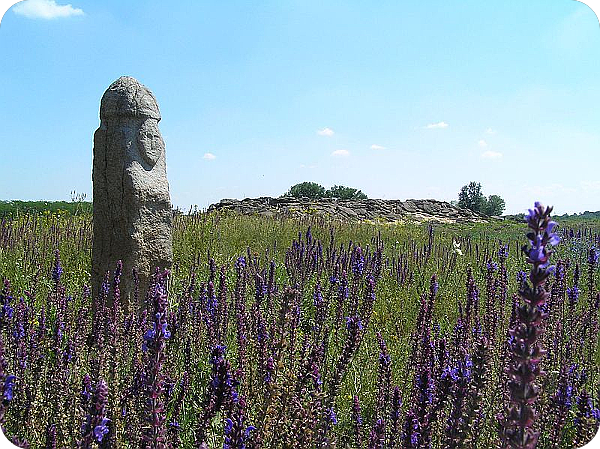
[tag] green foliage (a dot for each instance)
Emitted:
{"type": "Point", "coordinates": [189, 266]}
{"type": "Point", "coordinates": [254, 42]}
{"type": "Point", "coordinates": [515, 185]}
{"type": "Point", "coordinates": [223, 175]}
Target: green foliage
{"type": "Point", "coordinates": [587, 215]}
{"type": "Point", "coordinates": [494, 206]}
{"type": "Point", "coordinates": [310, 190]}
{"type": "Point", "coordinates": [313, 191]}
{"type": "Point", "coordinates": [345, 193]}
{"type": "Point", "coordinates": [471, 197]}
{"type": "Point", "coordinates": [16, 207]}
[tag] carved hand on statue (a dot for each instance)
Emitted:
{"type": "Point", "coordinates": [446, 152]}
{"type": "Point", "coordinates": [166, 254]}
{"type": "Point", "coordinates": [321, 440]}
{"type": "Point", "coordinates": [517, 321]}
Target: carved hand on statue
{"type": "Point", "coordinates": [150, 142]}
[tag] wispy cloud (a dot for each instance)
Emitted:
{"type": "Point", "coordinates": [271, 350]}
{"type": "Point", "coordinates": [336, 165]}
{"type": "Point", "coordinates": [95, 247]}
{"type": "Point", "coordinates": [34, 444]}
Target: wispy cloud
{"type": "Point", "coordinates": [209, 156]}
{"type": "Point", "coordinates": [482, 143]}
{"type": "Point", "coordinates": [490, 131]}
{"type": "Point", "coordinates": [489, 154]}
{"type": "Point", "coordinates": [439, 125]}
{"type": "Point", "coordinates": [45, 9]}
{"type": "Point", "coordinates": [326, 132]}
{"type": "Point", "coordinates": [341, 153]}
{"type": "Point", "coordinates": [377, 147]}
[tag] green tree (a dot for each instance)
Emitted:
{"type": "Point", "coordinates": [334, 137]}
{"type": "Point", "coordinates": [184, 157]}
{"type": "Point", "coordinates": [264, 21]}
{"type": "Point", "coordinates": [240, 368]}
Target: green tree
{"type": "Point", "coordinates": [306, 189]}
{"type": "Point", "coordinates": [471, 197]}
{"type": "Point", "coordinates": [345, 193]}
{"type": "Point", "coordinates": [494, 206]}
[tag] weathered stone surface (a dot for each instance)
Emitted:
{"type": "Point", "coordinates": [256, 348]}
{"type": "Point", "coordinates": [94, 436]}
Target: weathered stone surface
{"type": "Point", "coordinates": [370, 209]}
{"type": "Point", "coordinates": [132, 208]}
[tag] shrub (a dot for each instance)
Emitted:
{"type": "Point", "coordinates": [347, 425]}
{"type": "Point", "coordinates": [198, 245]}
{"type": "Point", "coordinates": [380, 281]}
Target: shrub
{"type": "Point", "coordinates": [313, 190]}
{"type": "Point", "coordinates": [345, 193]}
{"type": "Point", "coordinates": [306, 189]}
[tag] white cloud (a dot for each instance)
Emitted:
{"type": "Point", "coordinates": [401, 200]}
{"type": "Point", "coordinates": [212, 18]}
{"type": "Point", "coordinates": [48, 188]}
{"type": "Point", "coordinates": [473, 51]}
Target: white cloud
{"type": "Point", "coordinates": [437, 125]}
{"type": "Point", "coordinates": [45, 9]}
{"type": "Point", "coordinates": [326, 132]}
{"type": "Point", "coordinates": [377, 147]}
{"type": "Point", "coordinates": [209, 156]}
{"type": "Point", "coordinates": [482, 143]}
{"type": "Point", "coordinates": [340, 153]}
{"type": "Point", "coordinates": [490, 131]}
{"type": "Point", "coordinates": [489, 154]}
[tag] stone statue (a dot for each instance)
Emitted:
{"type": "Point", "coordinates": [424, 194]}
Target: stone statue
{"type": "Point", "coordinates": [132, 207]}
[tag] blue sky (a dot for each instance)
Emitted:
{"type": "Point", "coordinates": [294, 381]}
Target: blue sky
{"type": "Point", "coordinates": [400, 99]}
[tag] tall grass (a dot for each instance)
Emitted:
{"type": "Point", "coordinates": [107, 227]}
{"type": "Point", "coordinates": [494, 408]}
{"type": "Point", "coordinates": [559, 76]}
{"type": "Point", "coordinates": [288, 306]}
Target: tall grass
{"type": "Point", "coordinates": [272, 332]}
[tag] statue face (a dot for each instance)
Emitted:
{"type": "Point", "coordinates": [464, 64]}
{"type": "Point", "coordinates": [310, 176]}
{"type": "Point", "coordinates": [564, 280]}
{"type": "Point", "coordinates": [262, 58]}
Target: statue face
{"type": "Point", "coordinates": [150, 142]}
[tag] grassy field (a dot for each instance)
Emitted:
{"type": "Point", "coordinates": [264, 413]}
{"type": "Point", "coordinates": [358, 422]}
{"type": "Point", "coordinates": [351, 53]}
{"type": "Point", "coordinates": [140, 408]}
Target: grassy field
{"type": "Point", "coordinates": [295, 333]}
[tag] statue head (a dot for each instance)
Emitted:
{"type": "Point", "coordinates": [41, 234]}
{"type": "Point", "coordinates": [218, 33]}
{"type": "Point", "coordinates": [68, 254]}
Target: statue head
{"type": "Point", "coordinates": [128, 101]}
{"type": "Point", "coordinates": [128, 98]}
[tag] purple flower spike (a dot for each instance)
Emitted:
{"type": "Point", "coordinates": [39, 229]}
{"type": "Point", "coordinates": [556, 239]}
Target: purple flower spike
{"type": "Point", "coordinates": [155, 385]}
{"type": "Point", "coordinates": [95, 427]}
{"type": "Point", "coordinates": [57, 271]}
{"type": "Point", "coordinates": [9, 384]}
{"type": "Point", "coordinates": [101, 430]}
{"type": "Point", "coordinates": [526, 352]}
{"type": "Point", "coordinates": [593, 256]}
{"type": "Point", "coordinates": [331, 416]}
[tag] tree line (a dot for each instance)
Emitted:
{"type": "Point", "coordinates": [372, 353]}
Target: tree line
{"type": "Point", "coordinates": [16, 207]}
{"type": "Point", "coordinates": [315, 191]}
{"type": "Point", "coordinates": [470, 196]}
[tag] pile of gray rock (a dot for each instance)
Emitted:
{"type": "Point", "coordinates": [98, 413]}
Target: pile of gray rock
{"type": "Point", "coordinates": [359, 210]}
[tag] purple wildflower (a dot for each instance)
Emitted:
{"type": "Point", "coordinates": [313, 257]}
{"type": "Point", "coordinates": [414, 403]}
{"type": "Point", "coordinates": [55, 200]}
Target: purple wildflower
{"type": "Point", "coordinates": [237, 435]}
{"type": "Point", "coordinates": [57, 270]}
{"type": "Point", "coordinates": [95, 426]}
{"type": "Point", "coordinates": [377, 436]}
{"type": "Point", "coordinates": [6, 312]}
{"type": "Point", "coordinates": [357, 421]}
{"type": "Point", "coordinates": [593, 255]}
{"type": "Point", "coordinates": [240, 263]}
{"type": "Point", "coordinates": [526, 352]}
{"type": "Point", "coordinates": [353, 322]}
{"type": "Point", "coordinates": [331, 416]}
{"type": "Point", "coordinates": [154, 433]}
{"type": "Point", "coordinates": [358, 262]}
{"type": "Point", "coordinates": [573, 295]}
{"type": "Point", "coordinates": [9, 384]}
{"type": "Point", "coordinates": [101, 430]}
{"type": "Point", "coordinates": [492, 266]}
{"type": "Point", "coordinates": [384, 377]}
{"type": "Point", "coordinates": [503, 252]}
{"type": "Point", "coordinates": [269, 370]}
{"type": "Point", "coordinates": [87, 390]}
{"type": "Point", "coordinates": [395, 418]}
{"type": "Point", "coordinates": [221, 392]}
{"type": "Point", "coordinates": [353, 339]}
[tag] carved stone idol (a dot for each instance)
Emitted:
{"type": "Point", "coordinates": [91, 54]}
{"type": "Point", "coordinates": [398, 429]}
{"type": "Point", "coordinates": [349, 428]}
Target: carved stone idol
{"type": "Point", "coordinates": [132, 207]}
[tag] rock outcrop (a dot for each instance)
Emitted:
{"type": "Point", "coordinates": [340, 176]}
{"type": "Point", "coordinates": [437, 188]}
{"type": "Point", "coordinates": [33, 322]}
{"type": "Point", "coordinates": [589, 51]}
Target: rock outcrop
{"type": "Point", "coordinates": [369, 209]}
{"type": "Point", "coordinates": [132, 208]}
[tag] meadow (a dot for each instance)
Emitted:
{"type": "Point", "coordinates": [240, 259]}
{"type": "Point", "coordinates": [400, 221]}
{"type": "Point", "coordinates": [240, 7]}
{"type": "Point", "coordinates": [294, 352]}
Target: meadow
{"type": "Point", "coordinates": [277, 332]}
